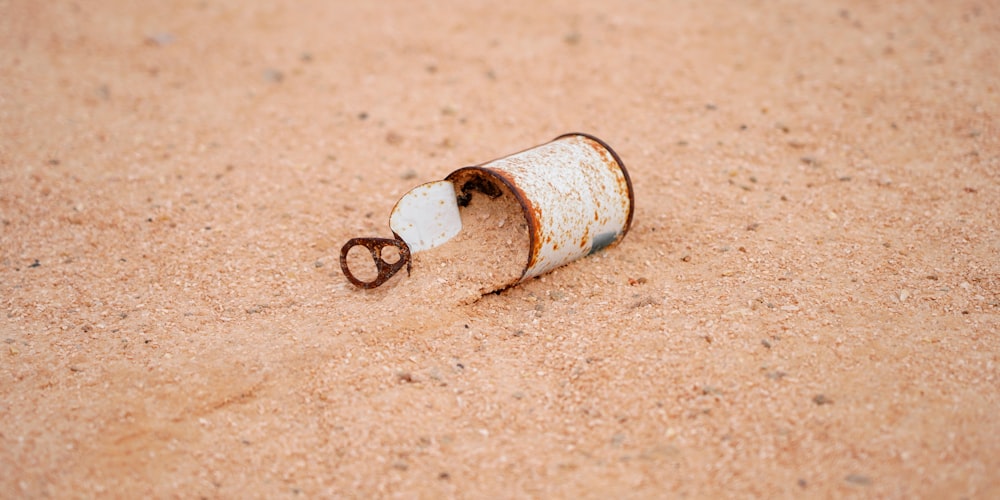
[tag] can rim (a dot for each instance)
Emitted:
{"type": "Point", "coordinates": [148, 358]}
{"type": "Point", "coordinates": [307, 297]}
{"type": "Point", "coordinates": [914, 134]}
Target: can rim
{"type": "Point", "coordinates": [527, 209]}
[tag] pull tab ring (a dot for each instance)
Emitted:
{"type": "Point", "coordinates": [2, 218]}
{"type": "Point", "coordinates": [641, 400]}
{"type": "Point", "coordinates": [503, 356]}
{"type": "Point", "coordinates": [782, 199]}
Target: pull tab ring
{"type": "Point", "coordinates": [386, 269]}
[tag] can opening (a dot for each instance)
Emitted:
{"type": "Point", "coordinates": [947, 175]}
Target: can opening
{"type": "Point", "coordinates": [490, 251]}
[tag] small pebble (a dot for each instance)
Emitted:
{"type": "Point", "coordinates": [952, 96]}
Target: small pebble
{"type": "Point", "coordinates": [858, 479]}
{"type": "Point", "coordinates": [160, 39]}
{"type": "Point", "coordinates": [645, 301]}
{"type": "Point", "coordinates": [271, 75]}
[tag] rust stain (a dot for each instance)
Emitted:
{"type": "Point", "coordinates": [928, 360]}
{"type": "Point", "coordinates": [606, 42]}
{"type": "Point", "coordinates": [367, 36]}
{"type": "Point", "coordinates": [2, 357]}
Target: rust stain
{"type": "Point", "coordinates": [625, 186]}
{"type": "Point", "coordinates": [534, 216]}
{"type": "Point", "coordinates": [386, 269]}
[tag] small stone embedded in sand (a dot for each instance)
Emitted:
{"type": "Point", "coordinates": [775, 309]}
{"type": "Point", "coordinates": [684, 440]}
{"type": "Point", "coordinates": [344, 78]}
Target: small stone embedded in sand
{"type": "Point", "coordinates": [821, 399]}
{"type": "Point", "coordinates": [858, 479]}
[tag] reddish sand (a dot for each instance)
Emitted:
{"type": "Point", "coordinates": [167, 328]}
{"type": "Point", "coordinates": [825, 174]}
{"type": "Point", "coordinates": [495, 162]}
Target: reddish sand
{"type": "Point", "coordinates": [808, 303]}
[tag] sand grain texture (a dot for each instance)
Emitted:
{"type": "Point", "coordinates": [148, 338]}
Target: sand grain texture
{"type": "Point", "coordinates": [808, 302]}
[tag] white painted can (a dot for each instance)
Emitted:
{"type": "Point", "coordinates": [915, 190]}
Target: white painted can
{"type": "Point", "coordinates": [574, 192]}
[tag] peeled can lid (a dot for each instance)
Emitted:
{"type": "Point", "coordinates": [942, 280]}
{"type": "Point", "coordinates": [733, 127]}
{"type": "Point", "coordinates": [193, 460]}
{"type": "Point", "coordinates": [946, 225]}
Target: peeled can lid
{"type": "Point", "coordinates": [426, 216]}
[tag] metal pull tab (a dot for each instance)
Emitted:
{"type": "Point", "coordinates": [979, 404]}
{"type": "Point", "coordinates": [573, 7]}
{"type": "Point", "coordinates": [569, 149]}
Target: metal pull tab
{"type": "Point", "coordinates": [385, 268]}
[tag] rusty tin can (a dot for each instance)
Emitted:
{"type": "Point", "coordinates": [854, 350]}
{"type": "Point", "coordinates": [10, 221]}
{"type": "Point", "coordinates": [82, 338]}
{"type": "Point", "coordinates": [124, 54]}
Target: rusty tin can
{"type": "Point", "coordinates": [574, 193]}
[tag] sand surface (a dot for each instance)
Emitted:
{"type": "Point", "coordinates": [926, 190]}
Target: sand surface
{"type": "Point", "coordinates": [808, 302]}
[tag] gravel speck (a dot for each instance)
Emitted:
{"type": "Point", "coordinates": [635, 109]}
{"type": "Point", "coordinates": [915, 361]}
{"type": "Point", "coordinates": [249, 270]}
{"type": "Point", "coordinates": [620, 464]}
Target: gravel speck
{"type": "Point", "coordinates": [821, 399]}
{"type": "Point", "coordinates": [271, 75]}
{"type": "Point", "coordinates": [858, 479]}
{"type": "Point", "coordinates": [160, 39]}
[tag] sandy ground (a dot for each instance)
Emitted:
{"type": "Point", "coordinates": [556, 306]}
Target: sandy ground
{"type": "Point", "coordinates": [808, 303]}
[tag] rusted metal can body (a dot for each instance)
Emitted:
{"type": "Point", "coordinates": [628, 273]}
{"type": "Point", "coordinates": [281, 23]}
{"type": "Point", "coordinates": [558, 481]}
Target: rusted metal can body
{"type": "Point", "coordinates": [575, 193]}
